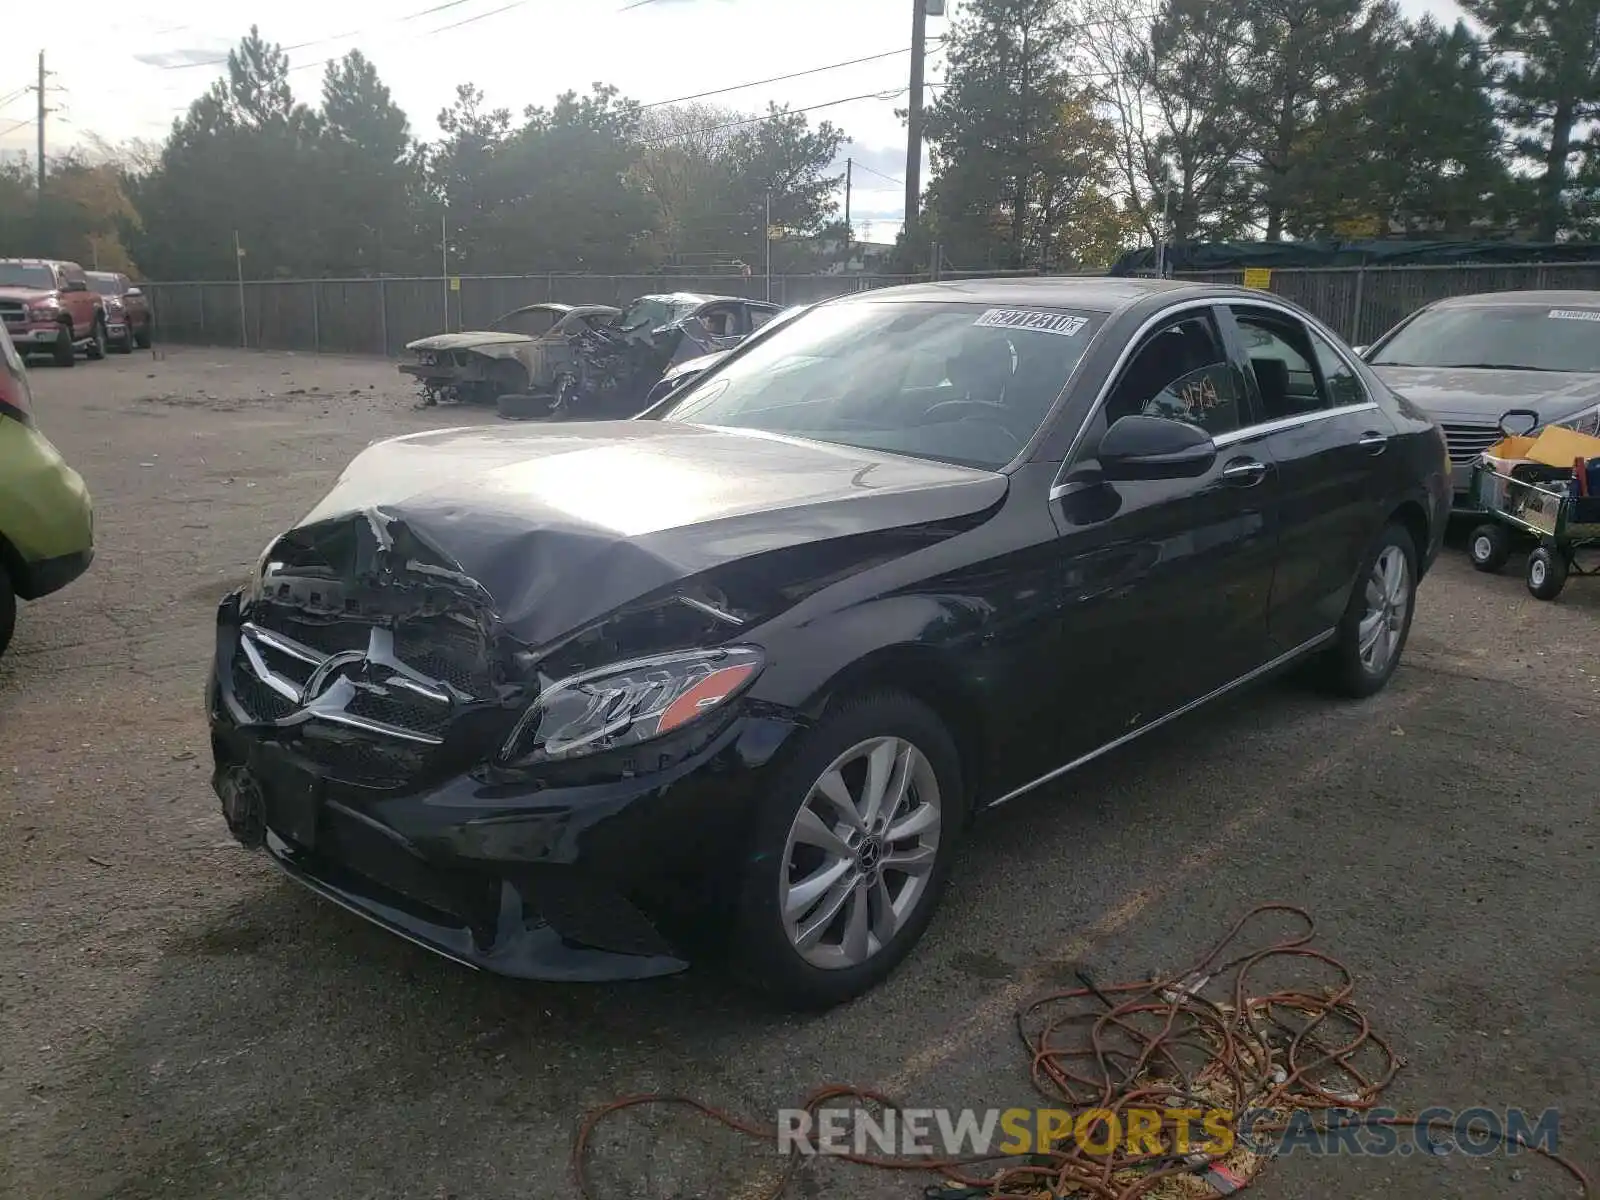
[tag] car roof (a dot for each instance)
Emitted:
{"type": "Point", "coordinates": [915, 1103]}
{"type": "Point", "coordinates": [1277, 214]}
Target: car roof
{"type": "Point", "coordinates": [696, 298]}
{"type": "Point", "coordinates": [1101, 292]}
{"type": "Point", "coordinates": [1519, 299]}
{"type": "Point", "coordinates": [38, 262]}
{"type": "Point", "coordinates": [104, 274]}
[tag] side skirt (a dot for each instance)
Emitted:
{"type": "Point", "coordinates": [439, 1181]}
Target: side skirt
{"type": "Point", "coordinates": [1265, 669]}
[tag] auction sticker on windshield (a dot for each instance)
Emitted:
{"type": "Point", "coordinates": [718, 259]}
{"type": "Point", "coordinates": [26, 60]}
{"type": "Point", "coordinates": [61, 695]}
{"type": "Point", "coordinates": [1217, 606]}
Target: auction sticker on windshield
{"type": "Point", "coordinates": [1574, 314]}
{"type": "Point", "coordinates": [1038, 322]}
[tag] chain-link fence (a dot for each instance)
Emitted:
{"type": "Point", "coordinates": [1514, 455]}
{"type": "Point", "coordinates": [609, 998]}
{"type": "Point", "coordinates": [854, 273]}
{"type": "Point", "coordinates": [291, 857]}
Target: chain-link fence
{"type": "Point", "coordinates": [379, 316]}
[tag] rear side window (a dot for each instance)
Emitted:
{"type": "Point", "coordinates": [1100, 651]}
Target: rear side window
{"type": "Point", "coordinates": [1344, 386]}
{"type": "Point", "coordinates": [1280, 356]}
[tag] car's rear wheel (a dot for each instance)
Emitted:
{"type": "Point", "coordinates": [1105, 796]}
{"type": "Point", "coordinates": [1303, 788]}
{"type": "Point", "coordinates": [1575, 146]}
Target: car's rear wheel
{"type": "Point", "coordinates": [65, 354]}
{"type": "Point", "coordinates": [8, 609]}
{"type": "Point", "coordinates": [1372, 635]}
{"type": "Point", "coordinates": [851, 852]}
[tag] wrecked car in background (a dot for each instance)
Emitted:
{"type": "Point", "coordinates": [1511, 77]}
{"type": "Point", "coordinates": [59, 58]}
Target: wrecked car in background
{"type": "Point", "coordinates": [509, 356]}
{"type": "Point", "coordinates": [687, 370]}
{"type": "Point", "coordinates": [550, 359]}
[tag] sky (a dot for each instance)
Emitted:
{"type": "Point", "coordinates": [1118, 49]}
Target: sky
{"type": "Point", "coordinates": [127, 70]}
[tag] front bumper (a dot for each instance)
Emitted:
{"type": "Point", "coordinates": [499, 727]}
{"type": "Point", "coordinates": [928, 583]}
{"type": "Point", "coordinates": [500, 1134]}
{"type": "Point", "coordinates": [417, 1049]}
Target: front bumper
{"type": "Point", "coordinates": [34, 336]}
{"type": "Point", "coordinates": [575, 878]}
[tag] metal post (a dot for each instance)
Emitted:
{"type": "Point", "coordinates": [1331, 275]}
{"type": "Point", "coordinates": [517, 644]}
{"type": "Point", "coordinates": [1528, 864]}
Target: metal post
{"type": "Point", "coordinates": [316, 329]}
{"type": "Point", "coordinates": [201, 289]}
{"type": "Point", "coordinates": [238, 258]}
{"type": "Point", "coordinates": [1161, 239]}
{"type": "Point", "coordinates": [1356, 338]}
{"type": "Point", "coordinates": [444, 267]}
{"type": "Point", "coordinates": [769, 246]}
{"type": "Point", "coordinates": [383, 312]}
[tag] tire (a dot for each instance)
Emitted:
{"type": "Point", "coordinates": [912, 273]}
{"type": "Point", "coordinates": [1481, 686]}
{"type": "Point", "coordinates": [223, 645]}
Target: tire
{"type": "Point", "coordinates": [65, 354]}
{"type": "Point", "coordinates": [144, 338]}
{"type": "Point", "coordinates": [124, 344]}
{"type": "Point", "coordinates": [829, 970]}
{"type": "Point", "coordinates": [522, 406]}
{"type": "Point", "coordinates": [1348, 669]}
{"type": "Point", "coordinates": [8, 609]}
{"type": "Point", "coordinates": [1490, 547]}
{"type": "Point", "coordinates": [1547, 573]}
{"type": "Point", "coordinates": [97, 340]}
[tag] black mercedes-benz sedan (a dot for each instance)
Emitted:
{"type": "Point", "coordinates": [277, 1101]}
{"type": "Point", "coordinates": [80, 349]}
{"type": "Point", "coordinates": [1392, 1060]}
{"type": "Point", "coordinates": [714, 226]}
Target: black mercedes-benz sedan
{"type": "Point", "coordinates": [563, 701]}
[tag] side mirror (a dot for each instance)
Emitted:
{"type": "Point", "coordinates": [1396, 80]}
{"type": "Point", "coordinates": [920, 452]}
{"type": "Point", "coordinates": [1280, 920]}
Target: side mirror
{"type": "Point", "coordinates": [1141, 447]}
{"type": "Point", "coordinates": [1359, 351]}
{"type": "Point", "coordinates": [133, 291]}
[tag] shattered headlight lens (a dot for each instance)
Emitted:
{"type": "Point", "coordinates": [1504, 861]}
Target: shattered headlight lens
{"type": "Point", "coordinates": [629, 702]}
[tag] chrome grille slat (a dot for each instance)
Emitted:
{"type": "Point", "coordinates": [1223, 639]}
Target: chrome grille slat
{"type": "Point", "coordinates": [1465, 442]}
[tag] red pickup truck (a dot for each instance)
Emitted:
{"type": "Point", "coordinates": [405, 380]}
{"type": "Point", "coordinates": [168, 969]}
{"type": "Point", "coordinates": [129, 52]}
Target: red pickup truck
{"type": "Point", "coordinates": [49, 307]}
{"type": "Point", "coordinates": [127, 311]}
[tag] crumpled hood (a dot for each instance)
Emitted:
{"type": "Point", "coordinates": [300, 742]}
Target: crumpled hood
{"type": "Point", "coordinates": [470, 340]}
{"type": "Point", "coordinates": [25, 294]}
{"type": "Point", "coordinates": [1478, 394]}
{"type": "Point", "coordinates": [562, 523]}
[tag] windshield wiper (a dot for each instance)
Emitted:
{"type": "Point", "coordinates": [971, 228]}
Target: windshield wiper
{"type": "Point", "coordinates": [1495, 367]}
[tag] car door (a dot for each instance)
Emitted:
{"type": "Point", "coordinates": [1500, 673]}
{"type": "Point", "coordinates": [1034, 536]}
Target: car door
{"type": "Point", "coordinates": [1165, 582]}
{"type": "Point", "coordinates": [1329, 440]}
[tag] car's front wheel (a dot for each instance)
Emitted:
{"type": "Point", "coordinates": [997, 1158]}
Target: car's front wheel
{"type": "Point", "coordinates": [1377, 621]}
{"type": "Point", "coordinates": [97, 340]}
{"type": "Point", "coordinates": [851, 852]}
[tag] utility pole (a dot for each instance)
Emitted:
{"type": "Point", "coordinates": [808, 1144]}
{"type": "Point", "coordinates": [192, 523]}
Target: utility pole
{"type": "Point", "coordinates": [919, 55]}
{"type": "Point", "coordinates": [769, 246]}
{"type": "Point", "coordinates": [849, 233]}
{"type": "Point", "coordinates": [42, 111]}
{"type": "Point", "coordinates": [444, 265]}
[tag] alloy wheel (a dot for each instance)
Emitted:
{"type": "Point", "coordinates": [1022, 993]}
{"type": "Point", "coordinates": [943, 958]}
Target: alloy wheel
{"type": "Point", "coordinates": [861, 853]}
{"type": "Point", "coordinates": [1388, 600]}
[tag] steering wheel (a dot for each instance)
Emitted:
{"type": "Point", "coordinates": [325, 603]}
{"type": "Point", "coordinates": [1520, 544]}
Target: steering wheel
{"type": "Point", "coordinates": [972, 410]}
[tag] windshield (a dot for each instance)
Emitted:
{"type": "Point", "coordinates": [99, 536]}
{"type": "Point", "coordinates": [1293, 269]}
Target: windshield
{"type": "Point", "coordinates": [959, 383]}
{"type": "Point", "coordinates": [19, 275]}
{"type": "Point", "coordinates": [106, 285]}
{"type": "Point", "coordinates": [1521, 337]}
{"type": "Point", "coordinates": [652, 312]}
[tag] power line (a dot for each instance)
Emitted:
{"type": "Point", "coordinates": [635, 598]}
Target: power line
{"type": "Point", "coordinates": [739, 87]}
{"type": "Point", "coordinates": [15, 125]}
{"type": "Point", "coordinates": [777, 116]}
{"type": "Point", "coordinates": [493, 12]}
{"type": "Point", "coordinates": [425, 12]}
{"type": "Point", "coordinates": [880, 174]}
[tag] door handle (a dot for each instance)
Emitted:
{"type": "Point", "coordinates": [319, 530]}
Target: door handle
{"type": "Point", "coordinates": [1373, 442]}
{"type": "Point", "coordinates": [1244, 472]}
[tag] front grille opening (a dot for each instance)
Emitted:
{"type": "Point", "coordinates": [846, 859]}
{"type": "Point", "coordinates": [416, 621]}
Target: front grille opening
{"type": "Point", "coordinates": [261, 702]}
{"type": "Point", "coordinates": [400, 709]}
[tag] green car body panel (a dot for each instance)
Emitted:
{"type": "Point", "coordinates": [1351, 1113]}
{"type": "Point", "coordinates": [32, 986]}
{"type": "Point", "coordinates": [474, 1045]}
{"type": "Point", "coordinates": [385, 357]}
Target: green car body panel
{"type": "Point", "coordinates": [46, 514]}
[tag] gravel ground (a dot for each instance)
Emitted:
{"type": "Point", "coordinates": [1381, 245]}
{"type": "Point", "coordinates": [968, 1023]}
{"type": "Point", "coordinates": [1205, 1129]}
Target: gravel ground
{"type": "Point", "coordinates": [178, 1020]}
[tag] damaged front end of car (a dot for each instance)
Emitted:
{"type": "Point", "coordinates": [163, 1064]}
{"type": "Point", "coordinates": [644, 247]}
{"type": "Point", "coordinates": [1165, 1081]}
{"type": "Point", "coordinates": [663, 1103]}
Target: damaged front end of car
{"type": "Point", "coordinates": [394, 744]}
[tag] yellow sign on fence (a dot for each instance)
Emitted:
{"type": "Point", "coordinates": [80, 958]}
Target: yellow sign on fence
{"type": "Point", "coordinates": [1258, 277]}
{"type": "Point", "coordinates": [455, 283]}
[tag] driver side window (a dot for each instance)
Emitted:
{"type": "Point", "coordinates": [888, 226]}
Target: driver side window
{"type": "Point", "coordinates": [1181, 372]}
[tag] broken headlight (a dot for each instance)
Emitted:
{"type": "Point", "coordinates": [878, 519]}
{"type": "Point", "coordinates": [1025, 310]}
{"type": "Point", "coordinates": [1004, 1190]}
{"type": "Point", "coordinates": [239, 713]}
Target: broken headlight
{"type": "Point", "coordinates": [629, 702]}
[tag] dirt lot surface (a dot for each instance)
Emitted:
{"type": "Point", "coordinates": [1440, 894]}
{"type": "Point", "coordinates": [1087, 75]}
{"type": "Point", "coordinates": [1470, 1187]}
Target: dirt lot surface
{"type": "Point", "coordinates": [177, 1019]}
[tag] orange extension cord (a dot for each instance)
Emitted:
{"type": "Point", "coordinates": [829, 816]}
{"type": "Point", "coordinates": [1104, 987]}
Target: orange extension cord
{"type": "Point", "coordinates": [1264, 1051]}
